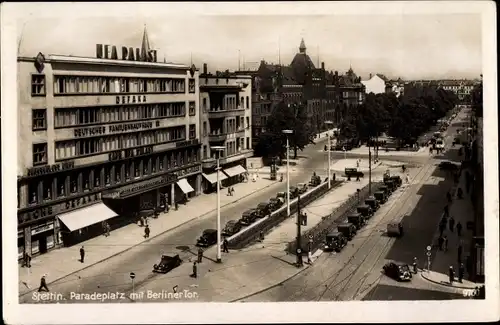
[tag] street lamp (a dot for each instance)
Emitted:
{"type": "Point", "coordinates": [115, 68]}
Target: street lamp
{"type": "Point", "coordinates": [218, 149]}
{"type": "Point", "coordinates": [286, 133]}
{"type": "Point", "coordinates": [328, 124]}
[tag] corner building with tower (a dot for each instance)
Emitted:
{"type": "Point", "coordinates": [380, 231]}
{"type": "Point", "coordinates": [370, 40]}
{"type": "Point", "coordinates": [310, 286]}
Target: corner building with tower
{"type": "Point", "coordinates": [106, 138]}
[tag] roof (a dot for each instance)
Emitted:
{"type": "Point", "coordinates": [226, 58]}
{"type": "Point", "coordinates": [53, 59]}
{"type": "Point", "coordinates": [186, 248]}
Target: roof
{"type": "Point", "coordinates": [301, 64]}
{"type": "Point", "coordinates": [381, 76]}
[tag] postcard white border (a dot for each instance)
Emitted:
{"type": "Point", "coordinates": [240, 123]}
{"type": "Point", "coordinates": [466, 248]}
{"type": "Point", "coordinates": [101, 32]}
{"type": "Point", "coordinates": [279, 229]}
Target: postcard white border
{"type": "Point", "coordinates": [436, 311]}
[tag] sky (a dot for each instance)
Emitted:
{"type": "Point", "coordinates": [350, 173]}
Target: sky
{"type": "Point", "coordinates": [409, 45]}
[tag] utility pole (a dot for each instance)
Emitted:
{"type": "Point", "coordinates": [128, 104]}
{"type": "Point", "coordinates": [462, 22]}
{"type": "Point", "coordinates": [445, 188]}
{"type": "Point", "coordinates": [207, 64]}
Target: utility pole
{"type": "Point", "coordinates": [299, 244]}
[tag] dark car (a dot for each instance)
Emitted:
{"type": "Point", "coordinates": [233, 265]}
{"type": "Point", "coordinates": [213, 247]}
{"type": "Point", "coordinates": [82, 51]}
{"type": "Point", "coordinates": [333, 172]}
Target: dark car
{"type": "Point", "coordinates": [335, 241]}
{"type": "Point", "coordinates": [372, 202]}
{"type": "Point", "coordinates": [380, 196]}
{"type": "Point", "coordinates": [294, 192]}
{"type": "Point", "coordinates": [356, 219]}
{"type": "Point", "coordinates": [167, 263]}
{"type": "Point", "coordinates": [248, 217]}
{"type": "Point", "coordinates": [315, 181]}
{"type": "Point", "coordinates": [448, 165]}
{"type": "Point", "coordinates": [263, 209]}
{"type": "Point", "coordinates": [232, 227]}
{"type": "Point", "coordinates": [365, 210]}
{"type": "Point", "coordinates": [207, 238]}
{"type": "Point", "coordinates": [386, 190]}
{"type": "Point", "coordinates": [353, 172]}
{"type": "Point", "coordinates": [395, 229]}
{"type": "Point", "coordinates": [397, 179]}
{"type": "Point", "coordinates": [399, 272]}
{"type": "Point", "coordinates": [391, 185]}
{"type": "Point", "coordinates": [276, 203]}
{"type": "Point", "coordinates": [347, 229]}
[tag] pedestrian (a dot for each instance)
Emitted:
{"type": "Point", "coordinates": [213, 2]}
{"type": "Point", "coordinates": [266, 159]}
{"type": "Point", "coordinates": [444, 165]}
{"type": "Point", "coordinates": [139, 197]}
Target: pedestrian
{"type": "Point", "coordinates": [357, 163]}
{"type": "Point", "coordinates": [451, 223]}
{"type": "Point", "coordinates": [232, 190]}
{"type": "Point", "coordinates": [82, 254]}
{"type": "Point", "coordinates": [225, 245]}
{"type": "Point", "coordinates": [407, 179]}
{"type": "Point", "coordinates": [445, 243]}
{"type": "Point", "coordinates": [195, 270]}
{"type": "Point", "coordinates": [309, 258]}
{"type": "Point", "coordinates": [460, 249]}
{"type": "Point", "coordinates": [43, 284]}
{"type": "Point", "coordinates": [200, 255]}
{"type": "Point", "coordinates": [451, 274]}
{"type": "Point", "coordinates": [167, 207]}
{"type": "Point", "coordinates": [108, 228]}
{"type": "Point", "coordinates": [229, 191]}
{"type": "Point", "coordinates": [261, 236]}
{"type": "Point", "coordinates": [440, 242]}
{"type": "Point", "coordinates": [415, 269]}
{"type": "Point", "coordinates": [459, 229]}
{"type": "Point", "coordinates": [146, 231]}
{"type": "Point", "coordinates": [461, 272]}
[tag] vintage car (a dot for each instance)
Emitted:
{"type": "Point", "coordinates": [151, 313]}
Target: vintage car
{"type": "Point", "coordinates": [294, 192]}
{"type": "Point", "coordinates": [391, 185]}
{"type": "Point", "coordinates": [386, 190]}
{"type": "Point", "coordinates": [372, 202]}
{"type": "Point", "coordinates": [335, 241]}
{"type": "Point", "coordinates": [347, 229]}
{"type": "Point", "coordinates": [380, 196]}
{"type": "Point", "coordinates": [248, 217]}
{"type": "Point", "coordinates": [365, 210]}
{"type": "Point", "coordinates": [448, 165]}
{"type": "Point", "coordinates": [167, 263]}
{"type": "Point", "coordinates": [356, 219]}
{"type": "Point", "coordinates": [281, 195]}
{"type": "Point", "coordinates": [397, 179]}
{"type": "Point", "coordinates": [263, 209]}
{"type": "Point", "coordinates": [399, 272]}
{"type": "Point", "coordinates": [207, 238]}
{"type": "Point", "coordinates": [395, 229]}
{"type": "Point", "coordinates": [353, 172]}
{"type": "Point", "coordinates": [302, 188]}
{"type": "Point", "coordinates": [276, 203]}
{"type": "Point", "coordinates": [232, 227]}
{"type": "Point", "coordinates": [315, 181]}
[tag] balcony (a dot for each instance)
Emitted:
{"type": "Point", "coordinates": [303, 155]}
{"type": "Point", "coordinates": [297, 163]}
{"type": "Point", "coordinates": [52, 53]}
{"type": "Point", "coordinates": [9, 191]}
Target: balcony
{"type": "Point", "coordinates": [214, 113]}
{"type": "Point", "coordinates": [217, 137]}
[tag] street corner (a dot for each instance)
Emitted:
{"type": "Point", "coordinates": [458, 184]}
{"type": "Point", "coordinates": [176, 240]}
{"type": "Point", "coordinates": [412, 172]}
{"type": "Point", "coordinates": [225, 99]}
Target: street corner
{"type": "Point", "coordinates": [443, 279]}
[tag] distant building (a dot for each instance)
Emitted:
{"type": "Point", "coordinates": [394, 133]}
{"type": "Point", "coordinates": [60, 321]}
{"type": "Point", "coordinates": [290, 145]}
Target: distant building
{"type": "Point", "coordinates": [377, 84]}
{"type": "Point", "coordinates": [462, 88]}
{"type": "Point", "coordinates": [225, 119]}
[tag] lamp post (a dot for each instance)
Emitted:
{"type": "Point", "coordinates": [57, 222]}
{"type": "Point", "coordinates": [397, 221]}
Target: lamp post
{"type": "Point", "coordinates": [329, 123]}
{"type": "Point", "coordinates": [218, 149]}
{"type": "Point", "coordinates": [286, 133]}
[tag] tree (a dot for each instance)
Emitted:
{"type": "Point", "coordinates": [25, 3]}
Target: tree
{"type": "Point", "coordinates": [302, 131]}
{"type": "Point", "coordinates": [477, 99]}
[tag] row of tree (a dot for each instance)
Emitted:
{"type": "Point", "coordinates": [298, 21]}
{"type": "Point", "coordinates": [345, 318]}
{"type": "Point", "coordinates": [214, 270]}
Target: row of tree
{"type": "Point", "coordinates": [404, 118]}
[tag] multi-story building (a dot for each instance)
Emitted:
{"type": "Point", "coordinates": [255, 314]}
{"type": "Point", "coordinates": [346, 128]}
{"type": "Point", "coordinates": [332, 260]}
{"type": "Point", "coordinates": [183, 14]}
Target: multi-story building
{"type": "Point", "coordinates": [225, 119]}
{"type": "Point", "coordinates": [462, 88]}
{"type": "Point", "coordinates": [102, 138]}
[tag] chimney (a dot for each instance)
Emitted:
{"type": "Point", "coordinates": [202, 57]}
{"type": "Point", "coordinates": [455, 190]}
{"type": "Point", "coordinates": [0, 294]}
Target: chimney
{"type": "Point", "coordinates": [204, 68]}
{"type": "Point", "coordinates": [370, 75]}
{"type": "Point", "coordinates": [323, 65]}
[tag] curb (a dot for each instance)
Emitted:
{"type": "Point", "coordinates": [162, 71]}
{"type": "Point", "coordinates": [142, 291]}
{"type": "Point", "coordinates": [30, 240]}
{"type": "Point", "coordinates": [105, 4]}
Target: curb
{"type": "Point", "coordinates": [272, 286]}
{"type": "Point", "coordinates": [443, 283]}
{"type": "Point", "coordinates": [147, 240]}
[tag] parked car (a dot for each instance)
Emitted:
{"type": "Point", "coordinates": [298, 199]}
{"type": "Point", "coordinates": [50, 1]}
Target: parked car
{"type": "Point", "coordinates": [399, 272]}
{"type": "Point", "coordinates": [365, 210]}
{"type": "Point", "coordinates": [207, 238]}
{"type": "Point", "coordinates": [281, 195]}
{"type": "Point", "coordinates": [263, 209]}
{"type": "Point", "coordinates": [276, 203]}
{"type": "Point", "coordinates": [167, 263]}
{"type": "Point", "coordinates": [386, 190]}
{"type": "Point", "coordinates": [380, 196]}
{"type": "Point", "coordinates": [232, 227]}
{"type": "Point", "coordinates": [293, 192]}
{"type": "Point", "coordinates": [302, 188]}
{"type": "Point", "coordinates": [353, 172]}
{"type": "Point", "coordinates": [248, 217]}
{"type": "Point", "coordinates": [335, 241]}
{"type": "Point", "coordinates": [372, 202]}
{"type": "Point", "coordinates": [356, 219]}
{"type": "Point", "coordinates": [395, 229]}
{"type": "Point", "coordinates": [448, 165]}
{"type": "Point", "coordinates": [315, 181]}
{"type": "Point", "coordinates": [347, 229]}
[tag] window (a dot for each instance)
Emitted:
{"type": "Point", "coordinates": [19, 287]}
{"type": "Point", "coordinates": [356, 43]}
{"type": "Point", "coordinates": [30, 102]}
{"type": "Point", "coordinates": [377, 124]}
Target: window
{"type": "Point", "coordinates": [39, 119]}
{"type": "Point", "coordinates": [145, 167]}
{"type": "Point", "coordinates": [37, 85]}
{"type": "Point", "coordinates": [86, 180]}
{"type": "Point", "coordinates": [192, 85]}
{"type": "Point", "coordinates": [88, 146]}
{"type": "Point", "coordinates": [73, 182]}
{"type": "Point", "coordinates": [192, 108]}
{"type": "Point", "coordinates": [118, 173]}
{"type": "Point", "coordinates": [248, 122]}
{"type": "Point", "coordinates": [248, 143]}
{"type": "Point", "coordinates": [248, 102]}
{"type": "Point", "coordinates": [242, 102]}
{"type": "Point", "coordinates": [33, 192]}
{"type": "Point", "coordinates": [204, 105]}
{"type": "Point", "coordinates": [61, 186]}
{"type": "Point", "coordinates": [65, 149]}
{"type": "Point", "coordinates": [192, 131]}
{"type": "Point", "coordinates": [97, 178]}
{"type": "Point", "coordinates": [204, 129]}
{"type": "Point", "coordinates": [39, 154]}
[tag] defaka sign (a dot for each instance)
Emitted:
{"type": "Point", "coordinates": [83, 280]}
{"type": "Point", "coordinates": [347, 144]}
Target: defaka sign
{"type": "Point", "coordinates": [127, 53]}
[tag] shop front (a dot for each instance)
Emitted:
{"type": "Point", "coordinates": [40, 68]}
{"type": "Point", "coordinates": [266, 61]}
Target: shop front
{"type": "Point", "coordinates": [42, 238]}
{"type": "Point", "coordinates": [236, 174]}
{"type": "Point", "coordinates": [210, 181]}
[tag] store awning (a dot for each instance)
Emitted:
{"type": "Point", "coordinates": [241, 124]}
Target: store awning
{"type": "Point", "coordinates": [184, 185]}
{"type": "Point", "coordinates": [212, 178]}
{"type": "Point", "coordinates": [234, 171]}
{"type": "Point", "coordinates": [87, 216]}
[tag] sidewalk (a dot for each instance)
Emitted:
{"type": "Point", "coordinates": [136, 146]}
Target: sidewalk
{"type": "Point", "coordinates": [381, 152]}
{"type": "Point", "coordinates": [461, 211]}
{"type": "Point", "coordinates": [364, 165]}
{"type": "Point", "coordinates": [123, 239]}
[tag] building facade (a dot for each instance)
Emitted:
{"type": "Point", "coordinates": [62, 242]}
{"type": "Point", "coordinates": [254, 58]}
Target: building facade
{"type": "Point", "coordinates": [102, 139]}
{"type": "Point", "coordinates": [225, 120]}
{"type": "Point", "coordinates": [462, 88]}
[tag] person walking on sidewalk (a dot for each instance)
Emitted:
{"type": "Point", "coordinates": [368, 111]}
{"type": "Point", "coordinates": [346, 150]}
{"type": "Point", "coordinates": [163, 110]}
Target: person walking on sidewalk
{"type": "Point", "coordinates": [146, 231]}
{"type": "Point", "coordinates": [440, 242]}
{"type": "Point", "coordinates": [461, 272]}
{"type": "Point", "coordinates": [225, 246]}
{"type": "Point", "coordinates": [451, 223]}
{"type": "Point", "coordinates": [232, 190]}
{"type": "Point", "coordinates": [451, 275]}
{"type": "Point", "coordinates": [195, 270]}
{"type": "Point", "coordinates": [82, 254]}
{"type": "Point", "coordinates": [43, 284]}
{"type": "Point", "coordinates": [445, 243]}
{"type": "Point", "coordinates": [415, 267]}
{"type": "Point", "coordinates": [309, 258]}
{"type": "Point", "coordinates": [459, 229]}
{"type": "Point", "coordinates": [229, 191]}
{"type": "Point", "coordinates": [200, 255]}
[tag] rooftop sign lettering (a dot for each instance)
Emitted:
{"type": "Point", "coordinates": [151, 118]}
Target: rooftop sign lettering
{"type": "Point", "coordinates": [127, 53]}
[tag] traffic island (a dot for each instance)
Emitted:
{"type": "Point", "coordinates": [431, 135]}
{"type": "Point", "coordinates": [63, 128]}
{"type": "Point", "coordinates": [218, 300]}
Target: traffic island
{"type": "Point", "coordinates": [444, 280]}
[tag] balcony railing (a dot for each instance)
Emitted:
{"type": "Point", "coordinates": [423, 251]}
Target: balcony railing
{"type": "Point", "coordinates": [218, 113]}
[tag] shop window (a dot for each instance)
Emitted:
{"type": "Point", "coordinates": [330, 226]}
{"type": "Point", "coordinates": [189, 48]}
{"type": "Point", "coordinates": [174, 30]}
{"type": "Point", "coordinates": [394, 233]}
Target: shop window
{"type": "Point", "coordinates": [118, 173]}
{"type": "Point", "coordinates": [37, 85]}
{"type": "Point", "coordinates": [160, 164]}
{"type": "Point", "coordinates": [180, 159]}
{"type": "Point", "coordinates": [128, 166]}
{"type": "Point", "coordinates": [73, 183]}
{"type": "Point", "coordinates": [39, 154]}
{"type": "Point", "coordinates": [173, 160]}
{"type": "Point", "coordinates": [153, 165]}
{"type": "Point", "coordinates": [107, 176]}
{"type": "Point", "coordinates": [61, 186]}
{"type": "Point", "coordinates": [33, 191]}
{"type": "Point", "coordinates": [47, 189]}
{"type": "Point", "coordinates": [189, 156]}
{"type": "Point", "coordinates": [97, 178]}
{"type": "Point", "coordinates": [137, 170]}
{"type": "Point", "coordinates": [39, 119]}
{"type": "Point", "coordinates": [145, 167]}
{"type": "Point", "coordinates": [192, 108]}
{"type": "Point", "coordinates": [86, 180]}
